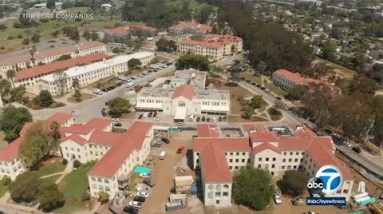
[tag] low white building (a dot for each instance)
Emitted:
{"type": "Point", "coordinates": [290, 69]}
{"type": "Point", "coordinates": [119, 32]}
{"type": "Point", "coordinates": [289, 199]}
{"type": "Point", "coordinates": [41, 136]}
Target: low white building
{"type": "Point", "coordinates": [185, 95]}
{"type": "Point", "coordinates": [61, 83]}
{"type": "Point", "coordinates": [219, 156]}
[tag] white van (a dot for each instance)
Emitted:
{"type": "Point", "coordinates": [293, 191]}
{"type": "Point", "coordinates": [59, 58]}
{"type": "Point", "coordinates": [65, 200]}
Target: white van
{"type": "Point", "coordinates": [162, 155]}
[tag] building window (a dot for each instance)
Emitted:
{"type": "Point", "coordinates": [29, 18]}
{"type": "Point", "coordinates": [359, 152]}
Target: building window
{"type": "Point", "coordinates": [225, 193]}
{"type": "Point", "coordinates": [272, 166]}
{"type": "Point", "coordinates": [290, 159]}
{"type": "Point", "coordinates": [259, 165]}
{"type": "Point", "coordinates": [231, 160]}
{"type": "Point", "coordinates": [296, 159]}
{"type": "Point", "coordinates": [267, 159]}
{"type": "Point", "coordinates": [260, 159]}
{"type": "Point", "coordinates": [284, 160]}
{"type": "Point", "coordinates": [236, 160]}
{"type": "Point", "coordinates": [217, 194]}
{"type": "Point", "coordinates": [283, 167]}
{"type": "Point", "coordinates": [217, 201]}
{"type": "Point", "coordinates": [274, 159]}
{"type": "Point", "coordinates": [243, 160]}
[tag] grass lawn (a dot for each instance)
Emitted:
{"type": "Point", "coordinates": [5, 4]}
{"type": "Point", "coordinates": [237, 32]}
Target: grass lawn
{"type": "Point", "coordinates": [50, 168]}
{"type": "Point", "coordinates": [248, 75]}
{"type": "Point", "coordinates": [73, 186]}
{"type": "Point", "coordinates": [345, 72]}
{"type": "Point", "coordinates": [276, 89]}
{"type": "Point", "coordinates": [45, 29]}
{"type": "Point", "coordinates": [274, 115]}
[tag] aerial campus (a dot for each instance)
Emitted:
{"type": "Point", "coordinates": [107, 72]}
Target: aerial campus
{"type": "Point", "coordinates": [190, 106]}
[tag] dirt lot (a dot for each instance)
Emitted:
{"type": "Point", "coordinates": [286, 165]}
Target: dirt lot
{"type": "Point", "coordinates": [164, 172]}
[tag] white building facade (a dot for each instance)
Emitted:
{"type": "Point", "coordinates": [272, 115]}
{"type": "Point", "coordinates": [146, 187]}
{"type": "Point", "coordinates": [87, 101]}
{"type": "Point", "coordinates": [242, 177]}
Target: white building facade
{"type": "Point", "coordinates": [61, 83]}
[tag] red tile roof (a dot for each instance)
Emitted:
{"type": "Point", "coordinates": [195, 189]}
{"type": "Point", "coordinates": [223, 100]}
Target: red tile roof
{"type": "Point", "coordinates": [192, 25]}
{"type": "Point", "coordinates": [214, 165]}
{"type": "Point", "coordinates": [99, 123]}
{"type": "Point", "coordinates": [60, 65]}
{"type": "Point", "coordinates": [106, 138]}
{"type": "Point", "coordinates": [293, 77]}
{"type": "Point", "coordinates": [93, 124]}
{"type": "Point", "coordinates": [121, 30]}
{"type": "Point", "coordinates": [212, 41]}
{"type": "Point", "coordinates": [208, 130]}
{"type": "Point", "coordinates": [142, 26]}
{"type": "Point", "coordinates": [186, 91]}
{"type": "Point", "coordinates": [133, 139]}
{"type": "Point", "coordinates": [41, 54]}
{"type": "Point", "coordinates": [11, 151]}
{"type": "Point", "coordinates": [77, 139]}
{"type": "Point", "coordinates": [303, 139]}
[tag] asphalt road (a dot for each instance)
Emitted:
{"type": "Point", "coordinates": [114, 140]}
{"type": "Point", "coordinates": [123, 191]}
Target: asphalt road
{"type": "Point", "coordinates": [89, 109]}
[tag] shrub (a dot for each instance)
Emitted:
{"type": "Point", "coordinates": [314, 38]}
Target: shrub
{"type": "Point", "coordinates": [64, 161]}
{"type": "Point", "coordinates": [6, 180]}
{"type": "Point", "coordinates": [76, 164]}
{"type": "Point", "coordinates": [103, 197]}
{"type": "Point", "coordinates": [85, 196]}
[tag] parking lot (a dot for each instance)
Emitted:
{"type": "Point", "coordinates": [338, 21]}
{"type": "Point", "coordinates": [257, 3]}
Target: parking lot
{"type": "Point", "coordinates": [163, 172]}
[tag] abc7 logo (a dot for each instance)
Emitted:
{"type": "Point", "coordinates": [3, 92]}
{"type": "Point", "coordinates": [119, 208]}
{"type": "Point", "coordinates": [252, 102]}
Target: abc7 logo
{"type": "Point", "coordinates": [315, 185]}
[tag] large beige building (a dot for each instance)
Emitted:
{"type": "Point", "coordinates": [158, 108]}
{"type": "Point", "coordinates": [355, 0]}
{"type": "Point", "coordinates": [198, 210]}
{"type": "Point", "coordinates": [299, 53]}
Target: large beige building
{"type": "Point", "coordinates": [116, 153]}
{"type": "Point", "coordinates": [219, 156]}
{"type": "Point", "coordinates": [185, 95]}
{"type": "Point", "coordinates": [213, 46]}
{"type": "Point", "coordinates": [19, 61]}
{"type": "Point", "coordinates": [61, 83]}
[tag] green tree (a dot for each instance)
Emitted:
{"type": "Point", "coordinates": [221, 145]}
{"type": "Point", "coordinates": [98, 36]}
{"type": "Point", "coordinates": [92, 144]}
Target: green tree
{"type": "Point", "coordinates": [103, 197]}
{"type": "Point", "coordinates": [36, 144]}
{"type": "Point", "coordinates": [76, 83]}
{"type": "Point", "coordinates": [35, 38]}
{"type": "Point", "coordinates": [12, 120]}
{"type": "Point", "coordinates": [253, 188]}
{"type": "Point", "coordinates": [11, 75]}
{"type": "Point", "coordinates": [134, 63]}
{"type": "Point", "coordinates": [72, 33]}
{"type": "Point", "coordinates": [77, 95]}
{"type": "Point", "coordinates": [297, 92]}
{"type": "Point", "coordinates": [50, 197]}
{"type": "Point", "coordinates": [248, 112]}
{"type": "Point", "coordinates": [293, 182]}
{"type": "Point", "coordinates": [118, 106]}
{"type": "Point", "coordinates": [51, 4]}
{"type": "Point", "coordinates": [26, 41]}
{"type": "Point", "coordinates": [5, 88]}
{"type": "Point", "coordinates": [94, 36]}
{"type": "Point", "coordinates": [328, 50]}
{"type": "Point", "coordinates": [25, 188]}
{"type": "Point", "coordinates": [87, 35]}
{"type": "Point", "coordinates": [45, 98]}
{"type": "Point", "coordinates": [166, 45]}
{"type": "Point", "coordinates": [256, 101]}
{"type": "Point", "coordinates": [195, 61]}
{"type": "Point", "coordinates": [17, 94]}
{"type": "Point", "coordinates": [55, 134]}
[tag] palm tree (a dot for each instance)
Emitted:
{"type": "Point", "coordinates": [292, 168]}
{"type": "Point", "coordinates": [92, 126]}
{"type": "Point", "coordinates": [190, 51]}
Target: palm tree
{"type": "Point", "coordinates": [10, 75]}
{"type": "Point", "coordinates": [32, 53]}
{"type": "Point", "coordinates": [55, 134]}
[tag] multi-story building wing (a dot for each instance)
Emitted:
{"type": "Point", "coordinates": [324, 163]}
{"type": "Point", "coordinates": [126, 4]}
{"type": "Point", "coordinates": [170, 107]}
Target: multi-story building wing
{"type": "Point", "coordinates": [116, 153]}
{"type": "Point", "coordinates": [19, 61]}
{"type": "Point", "coordinates": [263, 148]}
{"type": "Point", "coordinates": [213, 46]}
{"type": "Point", "coordinates": [61, 83]}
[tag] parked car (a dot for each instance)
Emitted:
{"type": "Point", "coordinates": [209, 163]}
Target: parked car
{"type": "Point", "coordinates": [118, 124]}
{"type": "Point", "coordinates": [142, 194]}
{"type": "Point", "coordinates": [131, 210]}
{"type": "Point", "coordinates": [166, 140]}
{"type": "Point", "coordinates": [277, 199]}
{"type": "Point", "coordinates": [139, 199]}
{"type": "Point", "coordinates": [203, 119]}
{"type": "Point", "coordinates": [148, 182]}
{"type": "Point", "coordinates": [299, 200]}
{"type": "Point", "coordinates": [150, 114]}
{"type": "Point", "coordinates": [310, 212]}
{"type": "Point", "coordinates": [144, 175]}
{"type": "Point", "coordinates": [208, 119]}
{"type": "Point", "coordinates": [220, 119]}
{"type": "Point", "coordinates": [180, 149]}
{"type": "Point", "coordinates": [135, 204]}
{"type": "Point", "coordinates": [140, 116]}
{"type": "Point", "coordinates": [198, 119]}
